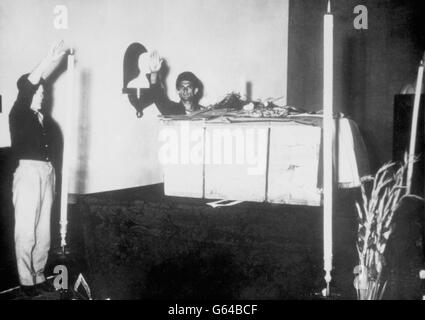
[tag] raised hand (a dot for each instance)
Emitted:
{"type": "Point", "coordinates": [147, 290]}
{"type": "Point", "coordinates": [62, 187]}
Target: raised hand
{"type": "Point", "coordinates": [56, 52]}
{"type": "Point", "coordinates": [47, 64]}
{"type": "Point", "coordinates": [155, 61]}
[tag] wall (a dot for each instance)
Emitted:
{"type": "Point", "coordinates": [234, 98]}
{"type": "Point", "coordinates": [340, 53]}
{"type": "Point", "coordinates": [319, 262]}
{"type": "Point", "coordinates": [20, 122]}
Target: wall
{"type": "Point", "coordinates": [233, 42]}
{"type": "Point", "coordinates": [226, 43]}
{"type": "Point", "coordinates": [371, 66]}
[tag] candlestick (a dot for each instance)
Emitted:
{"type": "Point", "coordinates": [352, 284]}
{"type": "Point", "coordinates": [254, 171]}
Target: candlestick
{"type": "Point", "coordinates": [328, 146]}
{"type": "Point", "coordinates": [414, 126]}
{"type": "Point", "coordinates": [65, 161]}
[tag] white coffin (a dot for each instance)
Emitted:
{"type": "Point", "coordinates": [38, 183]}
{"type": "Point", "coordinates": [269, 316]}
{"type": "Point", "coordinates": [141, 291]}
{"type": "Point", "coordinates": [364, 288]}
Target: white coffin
{"type": "Point", "coordinates": [236, 161]}
{"type": "Point", "coordinates": [293, 164]}
{"type": "Point", "coordinates": [274, 162]}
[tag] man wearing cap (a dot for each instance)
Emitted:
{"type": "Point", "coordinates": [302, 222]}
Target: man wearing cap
{"type": "Point", "coordinates": [34, 145]}
{"type": "Point", "coordinates": [187, 86]}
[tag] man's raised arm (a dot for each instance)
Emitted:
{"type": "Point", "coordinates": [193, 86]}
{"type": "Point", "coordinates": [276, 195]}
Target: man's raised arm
{"type": "Point", "coordinates": [47, 64]}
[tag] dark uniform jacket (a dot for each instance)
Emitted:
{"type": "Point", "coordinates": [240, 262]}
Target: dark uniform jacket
{"type": "Point", "coordinates": [31, 140]}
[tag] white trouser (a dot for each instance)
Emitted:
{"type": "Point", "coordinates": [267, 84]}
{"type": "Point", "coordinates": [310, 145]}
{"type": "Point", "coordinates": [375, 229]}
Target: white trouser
{"type": "Point", "coordinates": [33, 193]}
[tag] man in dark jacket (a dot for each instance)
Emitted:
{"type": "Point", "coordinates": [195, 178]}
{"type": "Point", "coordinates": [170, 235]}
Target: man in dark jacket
{"type": "Point", "coordinates": [33, 139]}
{"type": "Point", "coordinates": [188, 87]}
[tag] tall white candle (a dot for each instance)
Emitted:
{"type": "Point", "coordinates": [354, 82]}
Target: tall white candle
{"type": "Point", "coordinates": [242, 87]}
{"type": "Point", "coordinates": [327, 145]}
{"type": "Point", "coordinates": [414, 126]}
{"type": "Point", "coordinates": [65, 161]}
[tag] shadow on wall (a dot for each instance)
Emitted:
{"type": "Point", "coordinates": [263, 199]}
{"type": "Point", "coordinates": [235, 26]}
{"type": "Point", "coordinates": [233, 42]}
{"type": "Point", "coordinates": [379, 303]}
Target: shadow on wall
{"type": "Point", "coordinates": [355, 89]}
{"type": "Point", "coordinates": [83, 131]}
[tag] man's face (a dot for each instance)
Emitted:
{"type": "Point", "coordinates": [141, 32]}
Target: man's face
{"type": "Point", "coordinates": [37, 99]}
{"type": "Point", "coordinates": [186, 90]}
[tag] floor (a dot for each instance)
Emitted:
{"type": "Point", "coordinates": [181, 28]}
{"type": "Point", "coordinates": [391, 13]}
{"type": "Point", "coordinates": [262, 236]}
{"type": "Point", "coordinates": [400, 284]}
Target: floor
{"type": "Point", "coordinates": [139, 244]}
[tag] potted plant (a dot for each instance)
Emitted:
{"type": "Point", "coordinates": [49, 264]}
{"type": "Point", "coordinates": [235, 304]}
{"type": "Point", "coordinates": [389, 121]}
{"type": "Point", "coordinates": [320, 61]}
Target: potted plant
{"type": "Point", "coordinates": [376, 211]}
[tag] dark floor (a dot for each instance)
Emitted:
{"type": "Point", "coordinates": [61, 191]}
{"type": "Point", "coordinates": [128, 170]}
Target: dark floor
{"type": "Point", "coordinates": [142, 245]}
{"type": "Point", "coordinates": [139, 244]}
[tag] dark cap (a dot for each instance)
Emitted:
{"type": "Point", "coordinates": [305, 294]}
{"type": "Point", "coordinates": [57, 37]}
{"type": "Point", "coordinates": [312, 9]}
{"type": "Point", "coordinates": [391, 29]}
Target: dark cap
{"type": "Point", "coordinates": [188, 76]}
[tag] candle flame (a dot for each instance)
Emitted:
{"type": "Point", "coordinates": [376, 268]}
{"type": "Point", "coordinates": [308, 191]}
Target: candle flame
{"type": "Point", "coordinates": [71, 51]}
{"type": "Point", "coordinates": [329, 6]}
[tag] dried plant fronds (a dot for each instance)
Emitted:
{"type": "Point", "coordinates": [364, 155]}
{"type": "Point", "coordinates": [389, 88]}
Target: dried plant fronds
{"type": "Point", "coordinates": [375, 215]}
